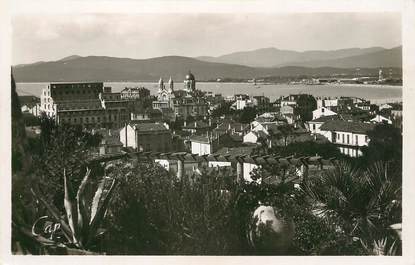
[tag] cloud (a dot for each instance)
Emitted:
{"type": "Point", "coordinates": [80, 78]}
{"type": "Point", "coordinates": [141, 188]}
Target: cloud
{"type": "Point", "coordinates": [46, 37]}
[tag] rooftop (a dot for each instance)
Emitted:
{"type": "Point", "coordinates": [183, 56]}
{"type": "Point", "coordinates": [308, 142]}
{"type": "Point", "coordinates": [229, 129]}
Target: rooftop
{"type": "Point", "coordinates": [344, 126]}
{"type": "Point", "coordinates": [236, 151]}
{"type": "Point", "coordinates": [326, 118]}
{"type": "Point", "coordinates": [149, 126]}
{"type": "Point", "coordinates": [195, 125]}
{"type": "Point", "coordinates": [200, 139]}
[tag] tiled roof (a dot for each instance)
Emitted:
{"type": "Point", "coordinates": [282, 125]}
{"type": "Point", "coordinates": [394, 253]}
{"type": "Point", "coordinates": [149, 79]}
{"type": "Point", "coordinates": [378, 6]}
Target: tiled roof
{"type": "Point", "coordinates": [150, 127]}
{"type": "Point", "coordinates": [264, 119]}
{"type": "Point", "coordinates": [199, 138]}
{"type": "Point", "coordinates": [344, 126]}
{"type": "Point", "coordinates": [153, 111]}
{"type": "Point", "coordinates": [196, 125]}
{"type": "Point", "coordinates": [326, 118]}
{"type": "Point", "coordinates": [239, 127]}
{"type": "Point", "coordinates": [242, 150]}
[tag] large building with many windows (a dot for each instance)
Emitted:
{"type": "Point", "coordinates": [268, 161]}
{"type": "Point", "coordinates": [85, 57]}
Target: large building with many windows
{"type": "Point", "coordinates": [89, 104]}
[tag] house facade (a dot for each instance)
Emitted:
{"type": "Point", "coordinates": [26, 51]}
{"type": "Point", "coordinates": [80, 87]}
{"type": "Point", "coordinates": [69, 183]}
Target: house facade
{"type": "Point", "coordinates": [349, 137]}
{"type": "Point", "coordinates": [154, 137]}
{"type": "Point", "coordinates": [322, 111]}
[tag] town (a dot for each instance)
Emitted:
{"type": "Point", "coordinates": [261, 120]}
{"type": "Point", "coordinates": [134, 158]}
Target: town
{"type": "Point", "coordinates": [181, 118]}
{"type": "Point", "coordinates": [206, 132]}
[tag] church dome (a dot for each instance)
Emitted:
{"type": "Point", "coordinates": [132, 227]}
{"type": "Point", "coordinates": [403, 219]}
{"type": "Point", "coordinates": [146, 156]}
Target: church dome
{"type": "Point", "coordinates": [190, 76]}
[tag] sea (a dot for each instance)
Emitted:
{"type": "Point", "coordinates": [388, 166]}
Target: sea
{"type": "Point", "coordinates": [375, 93]}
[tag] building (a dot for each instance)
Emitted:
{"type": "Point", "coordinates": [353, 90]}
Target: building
{"type": "Point", "coordinates": [201, 145]}
{"type": "Point", "coordinates": [184, 102]}
{"type": "Point", "coordinates": [322, 111]}
{"type": "Point", "coordinates": [261, 101]}
{"type": "Point", "coordinates": [314, 125]}
{"type": "Point", "coordinates": [242, 101]}
{"type": "Point", "coordinates": [110, 143]}
{"type": "Point", "coordinates": [231, 127]}
{"type": "Point", "coordinates": [196, 127]}
{"type": "Point", "coordinates": [381, 119]}
{"type": "Point", "coordinates": [185, 107]}
{"type": "Point", "coordinates": [30, 104]}
{"type": "Point", "coordinates": [87, 103]}
{"type": "Point", "coordinates": [335, 103]}
{"type": "Point", "coordinates": [290, 100]}
{"type": "Point", "coordinates": [236, 151]}
{"type": "Point", "coordinates": [255, 137]}
{"type": "Point", "coordinates": [385, 106]}
{"type": "Point", "coordinates": [134, 93]}
{"type": "Point", "coordinates": [287, 109]}
{"type": "Point", "coordinates": [349, 137]}
{"type": "Point", "coordinates": [154, 137]}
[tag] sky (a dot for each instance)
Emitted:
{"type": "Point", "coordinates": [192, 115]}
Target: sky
{"type": "Point", "coordinates": [49, 37]}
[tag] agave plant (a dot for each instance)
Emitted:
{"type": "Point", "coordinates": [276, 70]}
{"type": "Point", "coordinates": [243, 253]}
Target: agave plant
{"type": "Point", "coordinates": [82, 222]}
{"type": "Point", "coordinates": [363, 203]}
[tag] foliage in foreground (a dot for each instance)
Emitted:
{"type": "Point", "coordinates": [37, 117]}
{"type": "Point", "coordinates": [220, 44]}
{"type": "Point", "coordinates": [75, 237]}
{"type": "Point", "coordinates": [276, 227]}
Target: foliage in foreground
{"type": "Point", "coordinates": [361, 203]}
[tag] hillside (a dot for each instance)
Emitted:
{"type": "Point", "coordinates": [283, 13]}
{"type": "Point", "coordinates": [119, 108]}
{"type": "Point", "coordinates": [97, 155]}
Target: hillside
{"type": "Point", "coordinates": [271, 57]}
{"type": "Point", "coordinates": [103, 68]}
{"type": "Point", "coordinates": [385, 58]}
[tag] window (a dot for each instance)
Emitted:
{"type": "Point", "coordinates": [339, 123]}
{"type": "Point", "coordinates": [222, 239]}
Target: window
{"type": "Point", "coordinates": [314, 126]}
{"type": "Point", "coordinates": [342, 137]}
{"type": "Point", "coordinates": [357, 140]}
{"type": "Point", "coordinates": [348, 136]}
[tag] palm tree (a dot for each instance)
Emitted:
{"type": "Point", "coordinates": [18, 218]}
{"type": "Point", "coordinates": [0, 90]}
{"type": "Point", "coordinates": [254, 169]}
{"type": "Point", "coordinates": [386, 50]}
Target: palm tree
{"type": "Point", "coordinates": [362, 203]}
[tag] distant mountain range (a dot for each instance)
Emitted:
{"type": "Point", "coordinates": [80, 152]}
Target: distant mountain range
{"type": "Point", "coordinates": [345, 58]}
{"type": "Point", "coordinates": [103, 68]}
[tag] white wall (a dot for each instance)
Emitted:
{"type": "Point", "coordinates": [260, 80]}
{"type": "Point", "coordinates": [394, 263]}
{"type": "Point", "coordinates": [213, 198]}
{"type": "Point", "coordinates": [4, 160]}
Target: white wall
{"type": "Point", "coordinates": [260, 127]}
{"type": "Point", "coordinates": [169, 165]}
{"type": "Point", "coordinates": [201, 148]}
{"type": "Point", "coordinates": [131, 140]}
{"type": "Point", "coordinates": [322, 112]}
{"type": "Point", "coordinates": [250, 138]}
{"type": "Point", "coordinates": [287, 109]}
{"type": "Point", "coordinates": [381, 119]}
{"type": "Point", "coordinates": [247, 169]}
{"type": "Point", "coordinates": [219, 164]}
{"type": "Point", "coordinates": [315, 127]}
{"type": "Point", "coordinates": [355, 140]}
